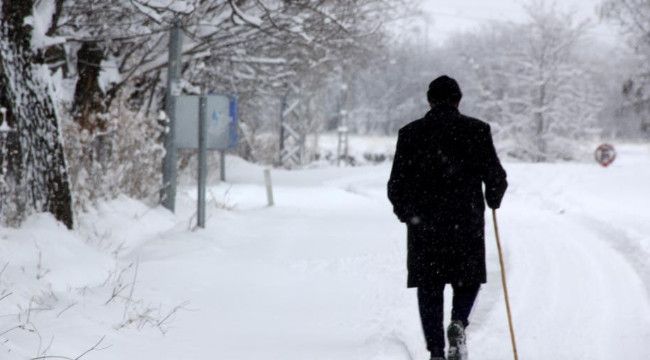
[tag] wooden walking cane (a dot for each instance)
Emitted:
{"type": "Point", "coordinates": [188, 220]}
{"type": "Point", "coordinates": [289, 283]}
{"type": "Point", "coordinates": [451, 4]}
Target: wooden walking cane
{"type": "Point", "coordinates": [505, 285]}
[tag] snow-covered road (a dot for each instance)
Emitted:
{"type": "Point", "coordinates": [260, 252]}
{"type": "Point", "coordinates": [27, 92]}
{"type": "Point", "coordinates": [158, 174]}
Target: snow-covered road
{"type": "Point", "coordinates": [322, 274]}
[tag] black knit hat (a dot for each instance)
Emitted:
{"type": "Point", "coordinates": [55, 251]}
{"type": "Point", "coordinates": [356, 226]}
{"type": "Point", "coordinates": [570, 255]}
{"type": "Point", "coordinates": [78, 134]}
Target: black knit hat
{"type": "Point", "coordinates": [444, 90]}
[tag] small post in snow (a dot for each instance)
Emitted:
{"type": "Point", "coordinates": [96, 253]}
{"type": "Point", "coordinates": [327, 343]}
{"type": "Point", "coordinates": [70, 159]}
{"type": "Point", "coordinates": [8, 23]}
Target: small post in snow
{"type": "Point", "coordinates": [203, 166]}
{"type": "Point", "coordinates": [269, 187]}
{"type": "Point", "coordinates": [343, 145]}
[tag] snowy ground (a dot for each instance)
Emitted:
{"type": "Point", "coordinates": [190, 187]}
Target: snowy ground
{"type": "Point", "coordinates": [322, 274]}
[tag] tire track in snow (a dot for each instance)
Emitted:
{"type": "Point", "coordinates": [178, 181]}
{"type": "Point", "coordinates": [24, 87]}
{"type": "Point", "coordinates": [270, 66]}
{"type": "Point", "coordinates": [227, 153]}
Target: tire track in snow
{"type": "Point", "coordinates": [573, 296]}
{"type": "Point", "coordinates": [630, 247]}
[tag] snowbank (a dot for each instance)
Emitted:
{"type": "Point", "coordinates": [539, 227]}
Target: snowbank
{"type": "Point", "coordinates": [63, 291]}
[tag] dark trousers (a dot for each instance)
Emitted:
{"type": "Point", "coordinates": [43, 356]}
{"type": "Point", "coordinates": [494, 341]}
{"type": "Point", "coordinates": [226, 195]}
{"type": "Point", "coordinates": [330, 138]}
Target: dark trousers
{"type": "Point", "coordinates": [431, 302]}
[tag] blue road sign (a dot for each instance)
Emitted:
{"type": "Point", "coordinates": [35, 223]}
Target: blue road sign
{"type": "Point", "coordinates": [222, 122]}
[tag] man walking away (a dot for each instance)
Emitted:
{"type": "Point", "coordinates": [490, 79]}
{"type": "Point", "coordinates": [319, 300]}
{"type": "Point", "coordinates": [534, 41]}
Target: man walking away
{"type": "Point", "coordinates": [435, 186]}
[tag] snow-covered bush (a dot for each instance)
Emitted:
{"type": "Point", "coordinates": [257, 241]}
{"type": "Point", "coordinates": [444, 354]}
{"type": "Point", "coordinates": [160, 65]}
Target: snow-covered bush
{"type": "Point", "coordinates": [125, 158]}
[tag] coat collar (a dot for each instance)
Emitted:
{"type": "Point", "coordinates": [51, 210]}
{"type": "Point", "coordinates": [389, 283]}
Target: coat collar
{"type": "Point", "coordinates": [441, 109]}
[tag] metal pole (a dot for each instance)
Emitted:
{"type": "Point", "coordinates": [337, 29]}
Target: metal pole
{"type": "Point", "coordinates": [338, 146]}
{"type": "Point", "coordinates": [346, 145]}
{"type": "Point", "coordinates": [505, 285]}
{"type": "Point", "coordinates": [168, 193]}
{"type": "Point", "coordinates": [338, 131]}
{"type": "Point", "coordinates": [203, 166]}
{"type": "Point", "coordinates": [222, 164]}
{"type": "Point", "coordinates": [283, 108]}
{"type": "Point", "coordinates": [345, 131]}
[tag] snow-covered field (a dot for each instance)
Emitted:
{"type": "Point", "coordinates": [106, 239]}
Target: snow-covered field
{"type": "Point", "coordinates": [322, 274]}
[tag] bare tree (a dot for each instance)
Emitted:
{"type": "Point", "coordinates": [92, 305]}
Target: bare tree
{"type": "Point", "coordinates": [530, 83]}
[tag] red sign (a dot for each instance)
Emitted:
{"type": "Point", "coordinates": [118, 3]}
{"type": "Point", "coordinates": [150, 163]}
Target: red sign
{"type": "Point", "coordinates": [605, 155]}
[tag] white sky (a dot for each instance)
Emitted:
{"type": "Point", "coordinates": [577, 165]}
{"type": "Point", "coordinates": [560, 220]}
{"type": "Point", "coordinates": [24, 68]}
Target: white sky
{"type": "Point", "coordinates": [448, 16]}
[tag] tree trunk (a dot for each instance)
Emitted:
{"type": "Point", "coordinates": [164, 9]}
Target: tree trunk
{"type": "Point", "coordinates": [41, 170]}
{"type": "Point", "coordinates": [89, 107]}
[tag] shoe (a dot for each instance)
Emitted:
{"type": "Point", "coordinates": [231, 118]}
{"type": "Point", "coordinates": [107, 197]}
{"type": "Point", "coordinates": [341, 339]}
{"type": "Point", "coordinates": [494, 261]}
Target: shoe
{"type": "Point", "coordinates": [457, 344]}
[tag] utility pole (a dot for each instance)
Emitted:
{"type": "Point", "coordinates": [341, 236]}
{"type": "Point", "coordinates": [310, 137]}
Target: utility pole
{"type": "Point", "coordinates": [292, 139]}
{"type": "Point", "coordinates": [168, 193]}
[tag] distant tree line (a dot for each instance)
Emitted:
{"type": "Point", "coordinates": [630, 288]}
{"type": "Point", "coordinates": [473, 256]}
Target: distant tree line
{"type": "Point", "coordinates": [546, 84]}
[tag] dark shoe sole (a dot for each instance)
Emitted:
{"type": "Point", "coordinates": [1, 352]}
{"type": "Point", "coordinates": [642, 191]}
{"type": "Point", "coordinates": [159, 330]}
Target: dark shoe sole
{"type": "Point", "coordinates": [456, 337]}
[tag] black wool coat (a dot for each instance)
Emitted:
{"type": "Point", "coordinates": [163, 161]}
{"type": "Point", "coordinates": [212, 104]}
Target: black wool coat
{"type": "Point", "coordinates": [436, 188]}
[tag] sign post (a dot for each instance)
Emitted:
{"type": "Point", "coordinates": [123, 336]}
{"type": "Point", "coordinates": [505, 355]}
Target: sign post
{"type": "Point", "coordinates": [206, 122]}
{"type": "Point", "coordinates": [222, 165]}
{"type": "Point", "coordinates": [203, 166]}
{"type": "Point", "coordinates": [605, 155]}
{"type": "Point", "coordinates": [168, 191]}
